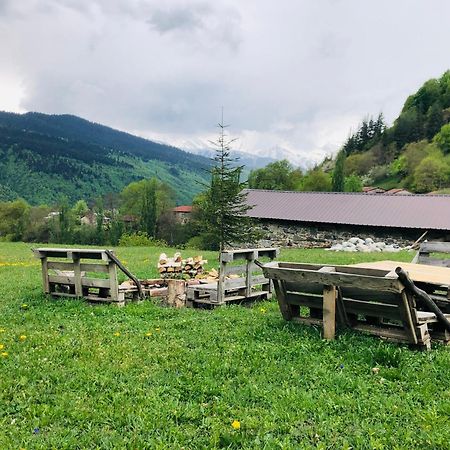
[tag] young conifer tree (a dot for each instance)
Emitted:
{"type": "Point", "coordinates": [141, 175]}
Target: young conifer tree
{"type": "Point", "coordinates": [224, 205]}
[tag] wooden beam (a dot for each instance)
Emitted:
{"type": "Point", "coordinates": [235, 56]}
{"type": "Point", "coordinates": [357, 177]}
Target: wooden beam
{"type": "Point", "coordinates": [329, 312]}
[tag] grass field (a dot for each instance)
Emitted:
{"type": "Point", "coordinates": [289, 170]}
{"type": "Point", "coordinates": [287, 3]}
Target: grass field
{"type": "Point", "coordinates": [143, 376]}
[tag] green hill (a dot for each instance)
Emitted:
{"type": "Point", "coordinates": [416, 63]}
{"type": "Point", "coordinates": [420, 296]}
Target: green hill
{"type": "Point", "coordinates": [414, 153]}
{"type": "Point", "coordinates": [44, 157]}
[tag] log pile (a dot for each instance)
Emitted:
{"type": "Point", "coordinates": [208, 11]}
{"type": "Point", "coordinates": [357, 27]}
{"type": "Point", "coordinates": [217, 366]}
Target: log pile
{"type": "Point", "coordinates": [177, 267]}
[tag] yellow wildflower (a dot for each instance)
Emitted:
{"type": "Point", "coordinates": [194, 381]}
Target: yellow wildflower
{"type": "Point", "coordinates": [158, 329]}
{"type": "Point", "coordinates": [2, 346]}
{"type": "Point", "coordinates": [24, 306]}
{"type": "Point", "coordinates": [148, 334]}
{"type": "Point", "coordinates": [2, 330]}
{"type": "Point", "coordinates": [263, 310]}
{"type": "Point", "coordinates": [236, 424]}
{"type": "Point", "coordinates": [117, 334]}
{"type": "Point", "coordinates": [22, 337]}
{"type": "Point", "coordinates": [4, 354]}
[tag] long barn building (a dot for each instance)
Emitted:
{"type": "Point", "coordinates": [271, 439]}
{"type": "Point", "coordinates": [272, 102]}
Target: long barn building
{"type": "Point", "coordinates": [290, 218]}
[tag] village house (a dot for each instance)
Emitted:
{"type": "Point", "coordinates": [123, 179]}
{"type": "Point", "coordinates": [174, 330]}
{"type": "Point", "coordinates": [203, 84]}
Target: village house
{"type": "Point", "coordinates": [182, 214]}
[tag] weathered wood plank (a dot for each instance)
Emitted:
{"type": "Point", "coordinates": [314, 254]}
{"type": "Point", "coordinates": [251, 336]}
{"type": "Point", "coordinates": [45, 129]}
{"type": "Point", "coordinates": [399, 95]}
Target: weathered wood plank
{"type": "Point", "coordinates": [329, 312]}
{"type": "Point", "coordinates": [336, 279]}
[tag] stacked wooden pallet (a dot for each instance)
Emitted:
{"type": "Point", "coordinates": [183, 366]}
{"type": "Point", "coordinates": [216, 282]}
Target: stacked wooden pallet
{"type": "Point", "coordinates": [234, 283]}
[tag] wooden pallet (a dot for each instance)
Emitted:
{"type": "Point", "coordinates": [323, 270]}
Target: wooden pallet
{"type": "Point", "coordinates": [70, 273]}
{"type": "Point", "coordinates": [369, 300]}
{"type": "Point", "coordinates": [251, 285]}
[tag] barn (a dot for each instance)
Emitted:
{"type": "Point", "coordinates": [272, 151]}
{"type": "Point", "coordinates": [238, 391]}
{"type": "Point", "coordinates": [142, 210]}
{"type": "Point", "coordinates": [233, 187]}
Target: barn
{"type": "Point", "coordinates": [319, 218]}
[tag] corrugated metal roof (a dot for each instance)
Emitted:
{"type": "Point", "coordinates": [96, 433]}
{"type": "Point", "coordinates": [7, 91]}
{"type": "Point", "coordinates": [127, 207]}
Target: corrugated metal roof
{"type": "Point", "coordinates": [402, 211]}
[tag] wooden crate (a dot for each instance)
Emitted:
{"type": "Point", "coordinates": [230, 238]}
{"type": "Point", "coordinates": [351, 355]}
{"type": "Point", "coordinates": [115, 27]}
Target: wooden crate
{"type": "Point", "coordinates": [71, 273]}
{"type": "Point", "coordinates": [251, 285]}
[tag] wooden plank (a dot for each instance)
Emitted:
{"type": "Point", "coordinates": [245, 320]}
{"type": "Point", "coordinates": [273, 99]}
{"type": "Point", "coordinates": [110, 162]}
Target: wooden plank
{"type": "Point", "coordinates": [397, 334]}
{"type": "Point", "coordinates": [87, 282]}
{"type": "Point", "coordinates": [329, 312]}
{"type": "Point", "coordinates": [417, 272]}
{"type": "Point", "coordinates": [61, 279]}
{"type": "Point", "coordinates": [98, 268]}
{"type": "Point", "coordinates": [287, 310]}
{"type": "Point", "coordinates": [435, 247]}
{"type": "Point", "coordinates": [77, 276]}
{"type": "Point", "coordinates": [373, 309]}
{"type": "Point", "coordinates": [335, 279]}
{"type": "Point", "coordinates": [409, 322]}
{"type": "Point", "coordinates": [113, 284]}
{"type": "Point", "coordinates": [45, 281]}
{"type": "Point", "coordinates": [308, 320]}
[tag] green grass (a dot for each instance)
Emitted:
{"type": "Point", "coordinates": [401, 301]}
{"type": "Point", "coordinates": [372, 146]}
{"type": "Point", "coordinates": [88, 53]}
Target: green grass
{"type": "Point", "coordinates": [74, 383]}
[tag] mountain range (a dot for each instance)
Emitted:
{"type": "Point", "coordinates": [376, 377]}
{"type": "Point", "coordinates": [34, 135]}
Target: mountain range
{"type": "Point", "coordinates": [46, 157]}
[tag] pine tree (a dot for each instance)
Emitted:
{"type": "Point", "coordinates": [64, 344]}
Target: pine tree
{"type": "Point", "coordinates": [338, 181]}
{"type": "Point", "coordinates": [224, 204]}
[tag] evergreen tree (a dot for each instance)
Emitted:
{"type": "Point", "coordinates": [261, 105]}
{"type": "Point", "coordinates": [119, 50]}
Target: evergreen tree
{"type": "Point", "coordinates": [435, 120]}
{"type": "Point", "coordinates": [338, 179]}
{"type": "Point", "coordinates": [223, 206]}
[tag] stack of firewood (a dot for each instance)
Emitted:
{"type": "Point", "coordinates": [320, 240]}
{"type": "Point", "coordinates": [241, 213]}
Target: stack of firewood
{"type": "Point", "coordinates": [177, 266]}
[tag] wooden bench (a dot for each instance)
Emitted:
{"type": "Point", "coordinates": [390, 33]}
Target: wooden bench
{"type": "Point", "coordinates": [369, 300]}
{"type": "Point", "coordinates": [250, 283]}
{"type": "Point", "coordinates": [71, 273]}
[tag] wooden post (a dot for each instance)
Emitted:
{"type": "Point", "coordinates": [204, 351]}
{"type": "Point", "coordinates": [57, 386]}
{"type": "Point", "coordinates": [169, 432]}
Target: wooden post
{"type": "Point", "coordinates": [113, 284]}
{"type": "Point", "coordinates": [77, 275]}
{"type": "Point", "coordinates": [45, 283]}
{"type": "Point", "coordinates": [221, 282]}
{"type": "Point", "coordinates": [329, 312]}
{"type": "Point", "coordinates": [176, 293]}
{"type": "Point", "coordinates": [248, 274]}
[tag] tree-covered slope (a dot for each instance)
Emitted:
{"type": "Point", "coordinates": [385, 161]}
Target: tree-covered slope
{"type": "Point", "coordinates": [45, 157]}
{"type": "Point", "coordinates": [414, 153]}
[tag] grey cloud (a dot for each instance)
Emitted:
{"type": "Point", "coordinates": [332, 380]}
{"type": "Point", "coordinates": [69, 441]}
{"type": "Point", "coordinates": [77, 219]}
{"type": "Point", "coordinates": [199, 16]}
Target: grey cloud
{"type": "Point", "coordinates": [183, 18]}
{"type": "Point", "coordinates": [293, 75]}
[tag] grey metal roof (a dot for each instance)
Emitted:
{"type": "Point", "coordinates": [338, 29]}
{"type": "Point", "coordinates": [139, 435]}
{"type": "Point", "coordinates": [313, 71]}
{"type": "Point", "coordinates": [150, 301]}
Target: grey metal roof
{"type": "Point", "coordinates": [402, 211]}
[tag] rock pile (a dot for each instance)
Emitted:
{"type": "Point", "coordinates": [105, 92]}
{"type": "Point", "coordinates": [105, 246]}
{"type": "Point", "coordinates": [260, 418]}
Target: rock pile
{"type": "Point", "coordinates": [368, 245]}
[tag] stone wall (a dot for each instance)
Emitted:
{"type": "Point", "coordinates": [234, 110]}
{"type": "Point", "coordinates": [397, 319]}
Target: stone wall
{"type": "Point", "coordinates": [289, 234]}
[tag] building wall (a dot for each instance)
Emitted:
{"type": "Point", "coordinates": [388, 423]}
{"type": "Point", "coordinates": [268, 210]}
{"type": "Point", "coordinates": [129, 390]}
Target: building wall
{"type": "Point", "coordinates": [304, 235]}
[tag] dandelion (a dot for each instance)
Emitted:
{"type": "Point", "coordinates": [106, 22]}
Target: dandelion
{"type": "Point", "coordinates": [236, 424]}
{"type": "Point", "coordinates": [263, 310]}
{"type": "Point", "coordinates": [2, 346]}
{"type": "Point", "coordinates": [158, 329]}
{"type": "Point", "coordinates": [148, 334]}
{"type": "Point", "coordinates": [117, 334]}
{"type": "Point", "coordinates": [24, 306]}
{"type": "Point", "coordinates": [4, 354]}
{"type": "Point", "coordinates": [22, 337]}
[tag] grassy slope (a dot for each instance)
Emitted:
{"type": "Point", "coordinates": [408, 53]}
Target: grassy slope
{"type": "Point", "coordinates": [73, 383]}
{"type": "Point", "coordinates": [96, 180]}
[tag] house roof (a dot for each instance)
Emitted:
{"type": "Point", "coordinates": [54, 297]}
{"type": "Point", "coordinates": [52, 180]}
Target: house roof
{"type": "Point", "coordinates": [396, 211]}
{"type": "Point", "coordinates": [183, 209]}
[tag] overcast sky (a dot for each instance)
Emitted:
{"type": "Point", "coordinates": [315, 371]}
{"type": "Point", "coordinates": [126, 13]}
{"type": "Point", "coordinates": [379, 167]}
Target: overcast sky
{"type": "Point", "coordinates": [292, 75]}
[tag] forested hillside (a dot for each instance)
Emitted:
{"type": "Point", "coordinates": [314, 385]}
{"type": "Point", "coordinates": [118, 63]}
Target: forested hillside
{"type": "Point", "coordinates": [413, 153]}
{"type": "Point", "coordinates": [43, 158]}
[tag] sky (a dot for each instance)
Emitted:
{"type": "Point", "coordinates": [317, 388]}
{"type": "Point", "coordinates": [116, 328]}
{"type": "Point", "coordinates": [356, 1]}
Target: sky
{"type": "Point", "coordinates": [293, 77]}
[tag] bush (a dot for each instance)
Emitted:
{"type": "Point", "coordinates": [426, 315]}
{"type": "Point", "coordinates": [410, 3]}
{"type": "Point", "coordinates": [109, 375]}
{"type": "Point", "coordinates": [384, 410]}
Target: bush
{"type": "Point", "coordinates": [140, 239]}
{"type": "Point", "coordinates": [203, 242]}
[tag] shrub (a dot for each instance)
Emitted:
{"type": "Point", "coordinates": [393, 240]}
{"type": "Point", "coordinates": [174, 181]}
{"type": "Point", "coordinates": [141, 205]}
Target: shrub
{"type": "Point", "coordinates": [140, 239]}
